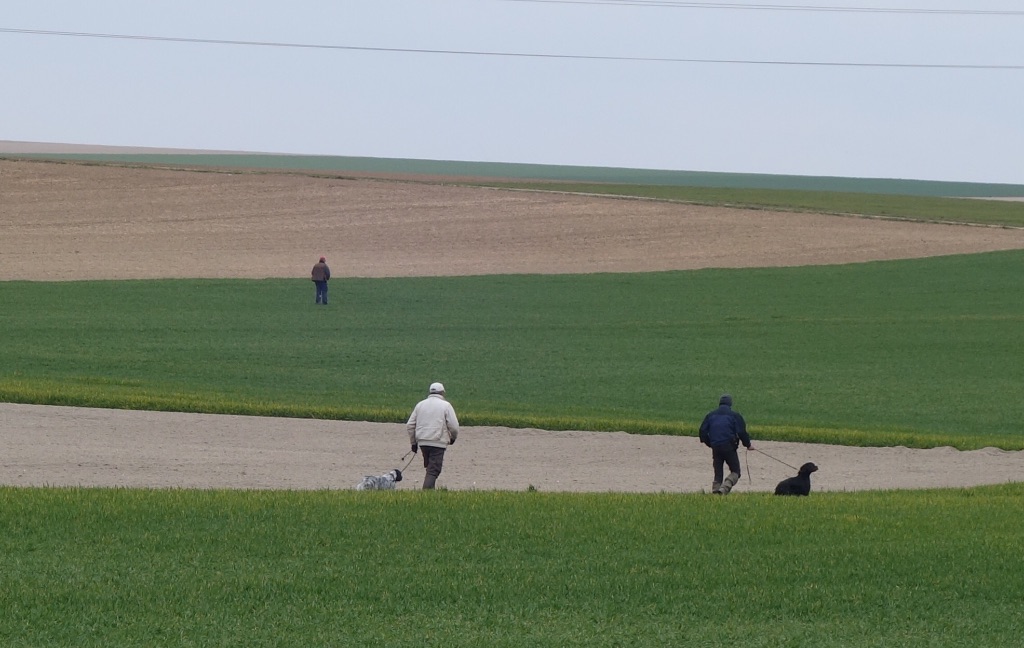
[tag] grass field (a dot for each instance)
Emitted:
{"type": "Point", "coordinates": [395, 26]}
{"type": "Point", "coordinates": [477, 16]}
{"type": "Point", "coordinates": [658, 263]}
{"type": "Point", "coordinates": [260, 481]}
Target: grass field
{"type": "Point", "coordinates": [192, 568]}
{"type": "Point", "coordinates": [926, 208]}
{"type": "Point", "coordinates": [920, 352]}
{"type": "Point", "coordinates": [339, 165]}
{"type": "Point", "coordinates": [914, 352]}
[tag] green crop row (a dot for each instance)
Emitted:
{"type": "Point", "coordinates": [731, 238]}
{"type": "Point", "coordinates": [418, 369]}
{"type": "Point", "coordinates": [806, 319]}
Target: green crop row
{"type": "Point", "coordinates": [340, 166]}
{"type": "Point", "coordinates": [919, 352]}
{"type": "Point", "coordinates": [339, 568]}
{"type": "Point", "coordinates": [921, 208]}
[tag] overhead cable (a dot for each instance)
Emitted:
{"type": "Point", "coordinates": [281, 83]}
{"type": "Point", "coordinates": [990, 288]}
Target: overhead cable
{"type": "Point", "coordinates": [578, 57]}
{"type": "Point", "coordinates": [673, 4]}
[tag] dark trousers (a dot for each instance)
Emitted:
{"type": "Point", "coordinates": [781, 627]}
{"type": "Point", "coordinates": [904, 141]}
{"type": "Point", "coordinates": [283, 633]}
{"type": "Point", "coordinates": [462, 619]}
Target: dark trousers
{"type": "Point", "coordinates": [728, 456]}
{"type": "Point", "coordinates": [321, 292]}
{"type": "Point", "coordinates": [433, 460]}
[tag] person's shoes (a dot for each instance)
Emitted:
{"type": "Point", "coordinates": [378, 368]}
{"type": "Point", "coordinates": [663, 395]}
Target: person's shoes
{"type": "Point", "coordinates": [716, 488]}
{"type": "Point", "coordinates": [729, 482]}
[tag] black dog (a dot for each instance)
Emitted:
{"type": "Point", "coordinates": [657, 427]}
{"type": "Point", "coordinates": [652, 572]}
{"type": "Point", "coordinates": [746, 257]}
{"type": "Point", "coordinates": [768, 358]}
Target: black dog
{"type": "Point", "coordinates": [799, 485]}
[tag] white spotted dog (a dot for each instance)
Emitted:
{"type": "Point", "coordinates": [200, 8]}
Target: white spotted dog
{"type": "Point", "coordinates": [386, 481]}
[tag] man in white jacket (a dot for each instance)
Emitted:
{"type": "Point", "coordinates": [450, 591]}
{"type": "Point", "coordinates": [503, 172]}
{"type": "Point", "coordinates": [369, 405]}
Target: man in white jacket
{"type": "Point", "coordinates": [432, 428]}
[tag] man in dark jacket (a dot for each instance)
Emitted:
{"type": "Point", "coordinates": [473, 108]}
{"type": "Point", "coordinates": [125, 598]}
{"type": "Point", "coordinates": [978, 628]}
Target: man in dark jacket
{"type": "Point", "coordinates": [723, 430]}
{"type": "Point", "coordinates": [321, 275]}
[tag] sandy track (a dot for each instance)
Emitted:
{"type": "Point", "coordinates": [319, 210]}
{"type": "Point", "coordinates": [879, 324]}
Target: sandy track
{"type": "Point", "coordinates": [69, 446]}
{"type": "Point", "coordinates": [67, 221]}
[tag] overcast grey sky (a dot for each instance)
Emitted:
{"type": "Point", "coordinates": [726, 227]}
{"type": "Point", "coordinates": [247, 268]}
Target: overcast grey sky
{"type": "Point", "coordinates": [723, 89]}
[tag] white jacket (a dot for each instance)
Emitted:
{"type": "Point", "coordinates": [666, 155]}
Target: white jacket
{"type": "Point", "coordinates": [433, 422]}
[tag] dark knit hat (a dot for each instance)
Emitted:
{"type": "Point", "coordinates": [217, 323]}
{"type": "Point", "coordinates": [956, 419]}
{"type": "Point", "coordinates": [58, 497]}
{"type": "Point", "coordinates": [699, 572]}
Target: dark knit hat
{"type": "Point", "coordinates": [322, 259]}
{"type": "Point", "coordinates": [726, 399]}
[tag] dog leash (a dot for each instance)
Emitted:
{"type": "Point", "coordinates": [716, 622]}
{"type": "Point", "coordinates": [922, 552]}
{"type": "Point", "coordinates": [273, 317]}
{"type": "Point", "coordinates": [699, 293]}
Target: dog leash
{"type": "Point", "coordinates": [411, 452]}
{"type": "Point", "coordinates": [776, 459]}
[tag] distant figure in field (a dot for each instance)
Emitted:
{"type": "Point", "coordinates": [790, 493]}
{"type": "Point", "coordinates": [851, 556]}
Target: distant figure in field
{"type": "Point", "coordinates": [433, 427]}
{"type": "Point", "coordinates": [723, 430]}
{"type": "Point", "coordinates": [321, 275]}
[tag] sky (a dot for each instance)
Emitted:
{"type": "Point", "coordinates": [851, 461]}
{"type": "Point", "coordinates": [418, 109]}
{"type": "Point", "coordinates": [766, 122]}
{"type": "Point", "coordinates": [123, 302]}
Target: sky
{"type": "Point", "coordinates": [930, 90]}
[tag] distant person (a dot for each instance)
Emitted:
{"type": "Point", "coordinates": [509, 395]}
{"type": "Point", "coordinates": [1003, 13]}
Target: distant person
{"type": "Point", "coordinates": [723, 430]}
{"type": "Point", "coordinates": [432, 428]}
{"type": "Point", "coordinates": [321, 275]}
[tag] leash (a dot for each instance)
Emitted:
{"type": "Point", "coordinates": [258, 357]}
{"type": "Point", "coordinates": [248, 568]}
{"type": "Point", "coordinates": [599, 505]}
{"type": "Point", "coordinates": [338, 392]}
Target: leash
{"type": "Point", "coordinates": [410, 459]}
{"type": "Point", "coordinates": [776, 459]}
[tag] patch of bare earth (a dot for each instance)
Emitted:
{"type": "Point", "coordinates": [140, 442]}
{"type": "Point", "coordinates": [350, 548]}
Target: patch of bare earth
{"type": "Point", "coordinates": [72, 221]}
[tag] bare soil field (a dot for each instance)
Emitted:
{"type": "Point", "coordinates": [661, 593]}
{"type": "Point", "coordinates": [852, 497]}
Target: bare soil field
{"type": "Point", "coordinates": [73, 221]}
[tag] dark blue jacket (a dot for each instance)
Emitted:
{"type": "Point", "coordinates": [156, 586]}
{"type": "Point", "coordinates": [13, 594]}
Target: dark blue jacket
{"type": "Point", "coordinates": [724, 428]}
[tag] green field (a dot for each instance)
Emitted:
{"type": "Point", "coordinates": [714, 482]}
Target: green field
{"type": "Point", "coordinates": [106, 568]}
{"type": "Point", "coordinates": [918, 352]}
{"type": "Point", "coordinates": [922, 352]}
{"type": "Point", "coordinates": [335, 165]}
{"type": "Point", "coordinates": [904, 207]}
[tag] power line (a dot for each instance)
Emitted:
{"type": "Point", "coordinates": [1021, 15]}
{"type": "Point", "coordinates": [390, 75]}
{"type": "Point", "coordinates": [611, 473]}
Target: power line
{"type": "Point", "coordinates": [578, 57]}
{"type": "Point", "coordinates": [672, 4]}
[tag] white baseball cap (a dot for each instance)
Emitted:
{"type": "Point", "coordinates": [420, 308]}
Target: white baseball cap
{"type": "Point", "coordinates": [436, 388]}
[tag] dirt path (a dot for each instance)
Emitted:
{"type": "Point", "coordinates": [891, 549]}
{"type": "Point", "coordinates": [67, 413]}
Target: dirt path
{"type": "Point", "coordinates": [66, 221]}
{"type": "Point", "coordinates": [69, 446]}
